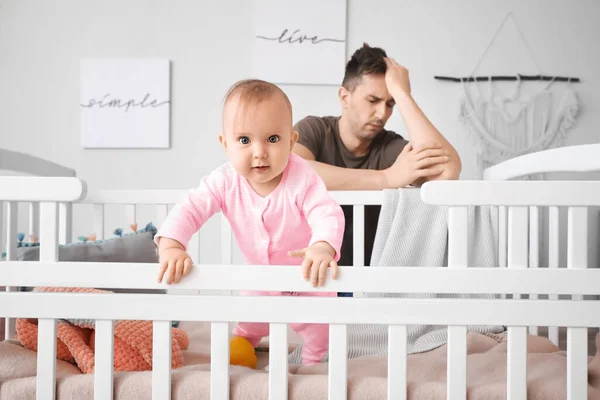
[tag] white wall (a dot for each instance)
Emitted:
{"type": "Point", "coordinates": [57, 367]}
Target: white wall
{"type": "Point", "coordinates": [42, 42]}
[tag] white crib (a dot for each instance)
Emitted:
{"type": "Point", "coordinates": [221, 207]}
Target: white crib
{"type": "Point", "coordinates": [51, 202]}
{"type": "Point", "coordinates": [575, 280]}
{"type": "Point", "coordinates": [570, 159]}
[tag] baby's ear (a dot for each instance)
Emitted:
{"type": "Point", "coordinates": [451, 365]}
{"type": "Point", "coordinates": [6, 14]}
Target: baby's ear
{"type": "Point", "coordinates": [223, 141]}
{"type": "Point", "coordinates": [293, 139]}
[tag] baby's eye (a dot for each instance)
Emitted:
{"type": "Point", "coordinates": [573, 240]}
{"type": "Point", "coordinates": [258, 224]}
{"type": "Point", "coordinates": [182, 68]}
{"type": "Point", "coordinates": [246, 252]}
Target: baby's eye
{"type": "Point", "coordinates": [273, 139]}
{"type": "Point", "coordinates": [244, 140]}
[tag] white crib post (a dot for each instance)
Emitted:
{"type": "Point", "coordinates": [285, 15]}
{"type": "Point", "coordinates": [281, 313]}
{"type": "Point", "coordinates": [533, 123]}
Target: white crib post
{"type": "Point", "coordinates": [99, 221]}
{"type": "Point", "coordinates": [358, 239]}
{"type": "Point", "coordinates": [502, 234]}
{"type": "Point", "coordinates": [65, 229]}
{"type": "Point", "coordinates": [457, 335]}
{"type": "Point", "coordinates": [534, 250]}
{"type": "Point", "coordinates": [226, 246]}
{"type": "Point", "coordinates": [517, 336]}
{"type": "Point", "coordinates": [397, 351]}
{"type": "Point", "coordinates": [46, 360]}
{"type": "Point", "coordinates": [338, 366]}
{"type": "Point", "coordinates": [34, 218]}
{"type": "Point", "coordinates": [104, 360]}
{"type": "Point", "coordinates": [553, 259]}
{"type": "Point", "coordinates": [161, 360]}
{"type": "Point", "coordinates": [131, 214]}
{"type": "Point", "coordinates": [11, 255]}
{"type": "Point", "coordinates": [278, 362]}
{"type": "Point", "coordinates": [162, 211]}
{"type": "Point", "coordinates": [226, 241]}
{"type": "Point", "coordinates": [219, 361]}
{"type": "Point", "coordinates": [2, 236]}
{"type": "Point", "coordinates": [577, 257]}
{"type": "Point", "coordinates": [65, 225]}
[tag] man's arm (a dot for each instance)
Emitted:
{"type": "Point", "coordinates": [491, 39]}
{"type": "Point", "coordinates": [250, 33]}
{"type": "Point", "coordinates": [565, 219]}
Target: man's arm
{"type": "Point", "coordinates": [338, 178]}
{"type": "Point", "coordinates": [409, 167]}
{"type": "Point", "coordinates": [420, 130]}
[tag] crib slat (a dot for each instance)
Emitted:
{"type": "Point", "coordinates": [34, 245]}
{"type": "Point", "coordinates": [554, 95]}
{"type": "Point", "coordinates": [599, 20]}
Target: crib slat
{"type": "Point", "coordinates": [161, 360]}
{"type": "Point", "coordinates": [219, 360]}
{"type": "Point", "coordinates": [131, 213]}
{"type": "Point", "coordinates": [65, 229]}
{"type": "Point", "coordinates": [194, 248]}
{"type": "Point", "coordinates": [226, 241]}
{"type": "Point", "coordinates": [49, 232]}
{"type": "Point", "coordinates": [502, 235]}
{"type": "Point", "coordinates": [2, 237]}
{"type": "Point", "coordinates": [104, 360]}
{"type": "Point", "coordinates": [34, 218]}
{"type": "Point", "coordinates": [577, 257]}
{"type": "Point", "coordinates": [457, 335]}
{"type": "Point", "coordinates": [12, 230]}
{"type": "Point", "coordinates": [397, 352]}
{"type": "Point", "coordinates": [46, 360]}
{"type": "Point", "coordinates": [162, 210]}
{"type": "Point", "coordinates": [502, 249]}
{"type": "Point", "coordinates": [337, 362]}
{"type": "Point", "coordinates": [517, 363]}
{"type": "Point", "coordinates": [577, 359]}
{"type": "Point", "coordinates": [11, 255]}
{"type": "Point", "coordinates": [553, 258]}
{"type": "Point", "coordinates": [518, 220]}
{"type": "Point", "coordinates": [278, 362]}
{"type": "Point", "coordinates": [99, 221]}
{"type": "Point", "coordinates": [358, 238]}
{"type": "Point", "coordinates": [534, 235]}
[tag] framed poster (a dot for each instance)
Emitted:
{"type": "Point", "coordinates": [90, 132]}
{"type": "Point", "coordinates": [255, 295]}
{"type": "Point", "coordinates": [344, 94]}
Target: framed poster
{"type": "Point", "coordinates": [299, 42]}
{"type": "Point", "coordinates": [125, 103]}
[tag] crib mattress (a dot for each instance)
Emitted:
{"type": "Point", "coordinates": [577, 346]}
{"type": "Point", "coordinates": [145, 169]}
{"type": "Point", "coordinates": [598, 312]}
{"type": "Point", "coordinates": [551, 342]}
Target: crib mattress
{"type": "Point", "coordinates": [486, 365]}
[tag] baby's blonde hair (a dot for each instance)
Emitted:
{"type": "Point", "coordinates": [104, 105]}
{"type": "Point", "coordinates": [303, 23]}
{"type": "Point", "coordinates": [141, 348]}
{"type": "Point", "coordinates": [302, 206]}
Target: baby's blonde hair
{"type": "Point", "coordinates": [252, 91]}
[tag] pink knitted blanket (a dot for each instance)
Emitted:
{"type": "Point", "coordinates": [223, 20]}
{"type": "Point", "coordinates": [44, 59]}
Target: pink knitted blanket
{"type": "Point", "coordinates": [76, 340]}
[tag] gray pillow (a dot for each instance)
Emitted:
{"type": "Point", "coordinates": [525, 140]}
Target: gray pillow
{"type": "Point", "coordinates": [132, 248]}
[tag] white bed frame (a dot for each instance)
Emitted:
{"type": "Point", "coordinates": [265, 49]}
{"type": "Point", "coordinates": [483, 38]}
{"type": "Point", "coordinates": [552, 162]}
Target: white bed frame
{"type": "Point", "coordinates": [55, 194]}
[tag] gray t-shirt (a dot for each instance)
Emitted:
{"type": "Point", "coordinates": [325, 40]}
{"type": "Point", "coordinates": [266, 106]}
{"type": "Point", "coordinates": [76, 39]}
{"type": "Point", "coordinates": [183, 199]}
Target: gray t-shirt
{"type": "Point", "coordinates": [321, 135]}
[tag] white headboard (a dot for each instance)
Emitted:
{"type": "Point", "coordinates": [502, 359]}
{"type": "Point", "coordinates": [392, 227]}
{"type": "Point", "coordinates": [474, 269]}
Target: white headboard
{"type": "Point", "coordinates": [31, 165]}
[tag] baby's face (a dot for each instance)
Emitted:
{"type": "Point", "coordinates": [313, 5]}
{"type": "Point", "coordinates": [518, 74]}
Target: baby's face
{"type": "Point", "coordinates": [258, 139]}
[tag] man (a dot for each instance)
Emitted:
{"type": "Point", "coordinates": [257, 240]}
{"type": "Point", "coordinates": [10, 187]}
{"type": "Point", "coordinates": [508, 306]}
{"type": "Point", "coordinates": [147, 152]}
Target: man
{"type": "Point", "coordinates": [355, 152]}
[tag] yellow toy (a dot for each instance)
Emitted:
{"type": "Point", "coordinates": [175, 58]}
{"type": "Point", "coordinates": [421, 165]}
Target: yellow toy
{"type": "Point", "coordinates": [241, 352]}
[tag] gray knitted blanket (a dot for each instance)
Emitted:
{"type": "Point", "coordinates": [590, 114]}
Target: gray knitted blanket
{"type": "Point", "coordinates": [412, 233]}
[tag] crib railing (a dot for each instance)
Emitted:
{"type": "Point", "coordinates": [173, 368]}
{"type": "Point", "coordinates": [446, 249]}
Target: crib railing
{"type": "Point", "coordinates": [577, 314]}
{"type": "Point", "coordinates": [161, 200]}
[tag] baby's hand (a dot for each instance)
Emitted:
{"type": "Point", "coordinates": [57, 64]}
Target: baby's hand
{"type": "Point", "coordinates": [175, 263]}
{"type": "Point", "coordinates": [317, 258]}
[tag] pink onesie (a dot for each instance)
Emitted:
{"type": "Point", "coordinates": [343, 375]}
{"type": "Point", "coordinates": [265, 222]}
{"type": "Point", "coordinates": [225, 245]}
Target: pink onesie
{"type": "Point", "coordinates": [298, 213]}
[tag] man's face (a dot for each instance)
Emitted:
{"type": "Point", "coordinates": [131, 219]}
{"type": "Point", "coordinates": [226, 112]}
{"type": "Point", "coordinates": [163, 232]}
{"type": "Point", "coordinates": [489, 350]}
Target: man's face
{"type": "Point", "coordinates": [368, 106]}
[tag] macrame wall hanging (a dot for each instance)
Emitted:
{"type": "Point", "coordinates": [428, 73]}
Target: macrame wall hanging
{"type": "Point", "coordinates": [504, 126]}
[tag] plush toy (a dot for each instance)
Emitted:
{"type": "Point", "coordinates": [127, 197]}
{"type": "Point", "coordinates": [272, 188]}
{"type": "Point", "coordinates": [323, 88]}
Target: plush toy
{"type": "Point", "coordinates": [241, 352]}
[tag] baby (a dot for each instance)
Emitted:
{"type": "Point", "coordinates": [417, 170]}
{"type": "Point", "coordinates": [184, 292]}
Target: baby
{"type": "Point", "coordinates": [277, 205]}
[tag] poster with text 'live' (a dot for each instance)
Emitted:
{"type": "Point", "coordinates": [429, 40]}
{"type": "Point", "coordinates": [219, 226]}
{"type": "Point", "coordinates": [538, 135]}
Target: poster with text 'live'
{"type": "Point", "coordinates": [299, 42]}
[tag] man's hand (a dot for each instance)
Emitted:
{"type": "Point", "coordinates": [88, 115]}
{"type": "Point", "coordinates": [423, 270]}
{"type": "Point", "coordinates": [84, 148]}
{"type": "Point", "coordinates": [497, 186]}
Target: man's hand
{"type": "Point", "coordinates": [415, 164]}
{"type": "Point", "coordinates": [396, 78]}
{"type": "Point", "coordinates": [317, 258]}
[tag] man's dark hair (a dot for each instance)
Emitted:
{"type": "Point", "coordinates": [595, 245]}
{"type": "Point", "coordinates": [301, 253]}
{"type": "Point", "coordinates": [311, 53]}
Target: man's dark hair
{"type": "Point", "coordinates": [366, 60]}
